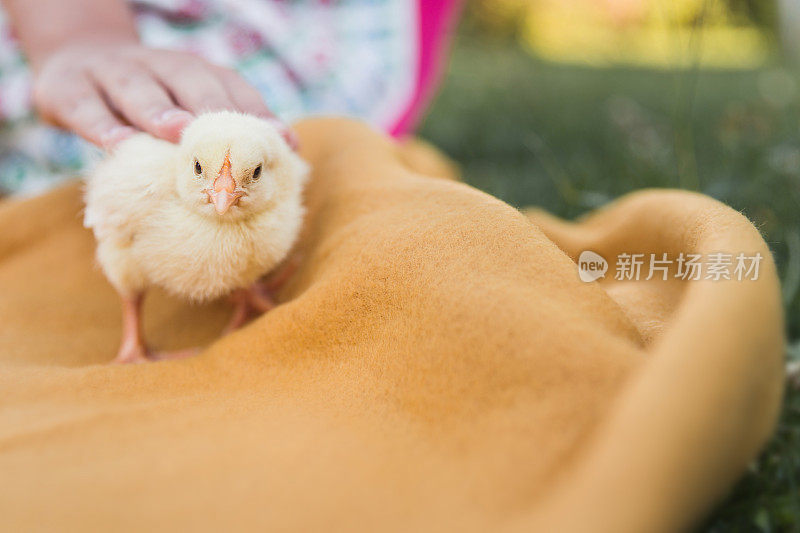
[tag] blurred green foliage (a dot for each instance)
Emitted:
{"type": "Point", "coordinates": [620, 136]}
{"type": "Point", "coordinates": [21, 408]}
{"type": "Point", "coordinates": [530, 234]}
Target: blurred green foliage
{"type": "Point", "coordinates": [570, 139]}
{"type": "Point", "coordinates": [763, 13]}
{"type": "Point", "coordinates": [501, 18]}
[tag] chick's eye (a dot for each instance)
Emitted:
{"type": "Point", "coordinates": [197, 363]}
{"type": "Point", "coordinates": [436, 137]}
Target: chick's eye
{"type": "Point", "coordinates": [197, 168]}
{"type": "Point", "coordinates": [257, 173]}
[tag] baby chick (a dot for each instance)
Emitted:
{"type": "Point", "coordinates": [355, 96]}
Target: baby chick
{"type": "Point", "coordinates": [200, 219]}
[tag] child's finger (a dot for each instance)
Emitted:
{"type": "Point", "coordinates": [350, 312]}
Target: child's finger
{"type": "Point", "coordinates": [142, 100]}
{"type": "Point", "coordinates": [191, 81]}
{"type": "Point", "coordinates": [249, 100]}
{"type": "Point", "coordinates": [79, 106]}
{"type": "Point", "coordinates": [244, 96]}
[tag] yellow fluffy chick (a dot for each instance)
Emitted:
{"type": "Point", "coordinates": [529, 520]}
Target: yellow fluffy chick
{"type": "Point", "coordinates": [200, 219]}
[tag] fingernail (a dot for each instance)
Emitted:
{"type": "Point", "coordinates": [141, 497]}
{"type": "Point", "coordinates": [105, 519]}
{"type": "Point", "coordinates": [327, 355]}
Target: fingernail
{"type": "Point", "coordinates": [174, 115]}
{"type": "Point", "coordinates": [266, 115]}
{"type": "Point", "coordinates": [292, 139]}
{"type": "Point", "coordinates": [115, 135]}
{"type": "Point", "coordinates": [288, 133]}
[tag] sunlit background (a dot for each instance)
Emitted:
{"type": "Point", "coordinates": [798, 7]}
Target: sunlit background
{"type": "Point", "coordinates": [567, 104]}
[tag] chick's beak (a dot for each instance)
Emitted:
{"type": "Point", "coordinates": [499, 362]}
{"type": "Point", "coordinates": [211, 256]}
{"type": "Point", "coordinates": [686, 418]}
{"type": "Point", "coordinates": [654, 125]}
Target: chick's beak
{"type": "Point", "coordinates": [223, 193]}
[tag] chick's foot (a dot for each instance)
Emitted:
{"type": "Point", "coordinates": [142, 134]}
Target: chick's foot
{"type": "Point", "coordinates": [132, 348]}
{"type": "Point", "coordinates": [260, 295]}
{"type": "Point", "coordinates": [260, 298]}
{"type": "Point", "coordinates": [255, 300]}
{"type": "Point", "coordinates": [130, 354]}
{"type": "Point", "coordinates": [241, 311]}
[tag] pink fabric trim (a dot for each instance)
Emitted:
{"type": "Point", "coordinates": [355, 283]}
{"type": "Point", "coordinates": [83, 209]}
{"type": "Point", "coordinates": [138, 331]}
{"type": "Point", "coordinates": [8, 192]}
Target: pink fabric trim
{"type": "Point", "coordinates": [436, 21]}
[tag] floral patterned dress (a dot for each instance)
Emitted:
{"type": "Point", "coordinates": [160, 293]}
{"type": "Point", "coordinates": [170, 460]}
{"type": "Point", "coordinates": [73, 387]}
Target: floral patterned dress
{"type": "Point", "coordinates": [377, 60]}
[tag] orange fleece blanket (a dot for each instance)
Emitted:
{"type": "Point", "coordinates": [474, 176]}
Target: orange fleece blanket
{"type": "Point", "coordinates": [436, 365]}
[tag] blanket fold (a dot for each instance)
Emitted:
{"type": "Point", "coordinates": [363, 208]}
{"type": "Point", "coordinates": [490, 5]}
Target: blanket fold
{"type": "Point", "coordinates": [436, 363]}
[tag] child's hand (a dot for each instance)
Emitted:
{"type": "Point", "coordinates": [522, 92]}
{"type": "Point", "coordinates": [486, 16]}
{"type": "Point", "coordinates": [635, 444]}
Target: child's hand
{"type": "Point", "coordinates": [107, 92]}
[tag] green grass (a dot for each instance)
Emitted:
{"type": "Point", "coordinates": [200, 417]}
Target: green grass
{"type": "Point", "coordinates": [571, 138]}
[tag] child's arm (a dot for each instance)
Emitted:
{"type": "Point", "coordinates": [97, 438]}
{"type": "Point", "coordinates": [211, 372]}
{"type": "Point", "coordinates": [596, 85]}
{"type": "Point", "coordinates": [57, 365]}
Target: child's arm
{"type": "Point", "coordinates": [44, 26]}
{"type": "Point", "coordinates": [93, 77]}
